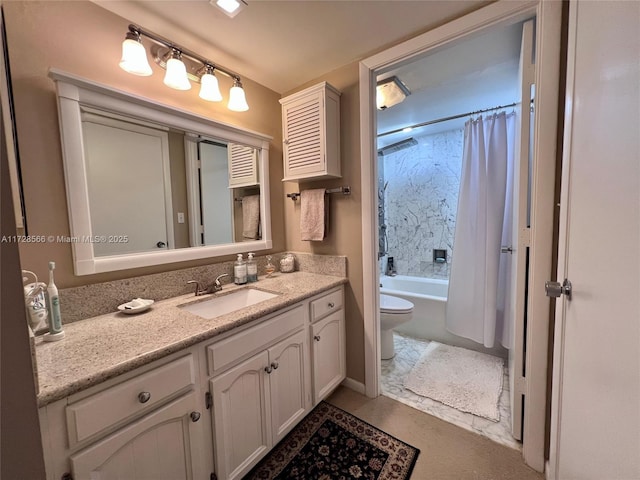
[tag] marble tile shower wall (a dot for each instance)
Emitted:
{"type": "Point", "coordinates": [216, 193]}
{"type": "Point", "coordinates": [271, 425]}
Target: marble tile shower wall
{"type": "Point", "coordinates": [421, 199]}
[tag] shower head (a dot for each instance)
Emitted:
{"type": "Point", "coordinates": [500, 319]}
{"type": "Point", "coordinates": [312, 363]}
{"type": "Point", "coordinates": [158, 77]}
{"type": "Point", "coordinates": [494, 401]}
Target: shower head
{"type": "Point", "coordinates": [396, 147]}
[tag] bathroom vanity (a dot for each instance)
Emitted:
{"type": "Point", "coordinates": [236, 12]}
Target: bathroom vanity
{"type": "Point", "coordinates": [169, 394]}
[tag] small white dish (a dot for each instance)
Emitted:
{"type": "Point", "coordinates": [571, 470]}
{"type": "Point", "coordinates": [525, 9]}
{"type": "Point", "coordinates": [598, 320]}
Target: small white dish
{"type": "Point", "coordinates": [137, 305]}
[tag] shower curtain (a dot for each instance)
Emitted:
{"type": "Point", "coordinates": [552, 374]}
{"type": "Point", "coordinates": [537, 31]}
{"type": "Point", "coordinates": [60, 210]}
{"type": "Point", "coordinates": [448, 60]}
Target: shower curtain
{"type": "Point", "coordinates": [479, 278]}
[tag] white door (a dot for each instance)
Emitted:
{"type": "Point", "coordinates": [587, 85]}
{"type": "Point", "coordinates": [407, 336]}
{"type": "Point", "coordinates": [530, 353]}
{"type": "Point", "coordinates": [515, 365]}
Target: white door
{"type": "Point", "coordinates": [241, 411]}
{"type": "Point", "coordinates": [595, 431]}
{"type": "Point", "coordinates": [520, 230]}
{"type": "Point", "coordinates": [289, 384]}
{"type": "Point", "coordinates": [164, 445]}
{"type": "Point", "coordinates": [215, 195]}
{"type": "Point", "coordinates": [128, 181]}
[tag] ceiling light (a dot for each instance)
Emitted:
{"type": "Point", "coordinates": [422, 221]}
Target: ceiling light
{"type": "Point", "coordinates": [134, 56]}
{"type": "Point", "coordinates": [390, 92]}
{"type": "Point", "coordinates": [209, 88]}
{"type": "Point", "coordinates": [237, 100]}
{"type": "Point", "coordinates": [176, 76]}
{"type": "Point", "coordinates": [229, 7]}
{"type": "Point", "coordinates": [183, 67]}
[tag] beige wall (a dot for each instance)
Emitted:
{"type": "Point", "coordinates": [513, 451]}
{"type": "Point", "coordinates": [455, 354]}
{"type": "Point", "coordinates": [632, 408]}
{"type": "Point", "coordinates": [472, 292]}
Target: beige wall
{"type": "Point", "coordinates": [84, 39]}
{"type": "Point", "coordinates": [345, 223]}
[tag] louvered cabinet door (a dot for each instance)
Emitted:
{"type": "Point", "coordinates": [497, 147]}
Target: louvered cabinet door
{"type": "Point", "coordinates": [311, 133]}
{"type": "Point", "coordinates": [243, 165]}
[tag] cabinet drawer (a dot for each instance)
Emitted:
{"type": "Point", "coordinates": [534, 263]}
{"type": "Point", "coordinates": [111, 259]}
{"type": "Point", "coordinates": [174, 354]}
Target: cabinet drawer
{"type": "Point", "coordinates": [128, 399]}
{"type": "Point", "coordinates": [224, 353]}
{"type": "Point", "coordinates": [326, 304]}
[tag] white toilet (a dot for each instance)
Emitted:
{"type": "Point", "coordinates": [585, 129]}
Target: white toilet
{"type": "Point", "coordinates": [394, 311]}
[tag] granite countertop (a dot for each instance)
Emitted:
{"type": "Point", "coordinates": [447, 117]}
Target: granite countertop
{"type": "Point", "coordinates": [106, 346]}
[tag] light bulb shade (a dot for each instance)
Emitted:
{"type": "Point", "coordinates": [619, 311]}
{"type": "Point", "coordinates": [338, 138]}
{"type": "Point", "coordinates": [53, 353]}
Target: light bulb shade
{"type": "Point", "coordinates": [134, 58]}
{"type": "Point", "coordinates": [237, 100]}
{"type": "Point", "coordinates": [209, 88]}
{"type": "Point", "coordinates": [176, 76]}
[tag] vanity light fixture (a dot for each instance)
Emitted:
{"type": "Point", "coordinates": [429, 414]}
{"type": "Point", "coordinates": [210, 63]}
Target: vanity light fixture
{"type": "Point", "coordinates": [209, 88]}
{"type": "Point", "coordinates": [390, 92]}
{"type": "Point", "coordinates": [237, 100]}
{"type": "Point", "coordinates": [176, 76]}
{"type": "Point", "coordinates": [229, 7]}
{"type": "Point", "coordinates": [182, 67]}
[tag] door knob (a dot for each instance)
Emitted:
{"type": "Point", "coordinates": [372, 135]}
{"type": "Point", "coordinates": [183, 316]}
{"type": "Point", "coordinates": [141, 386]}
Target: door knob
{"type": "Point", "coordinates": [161, 244]}
{"type": "Point", "coordinates": [195, 416]}
{"type": "Point", "coordinates": [555, 289]}
{"type": "Point", "coordinates": [143, 397]}
{"type": "Point", "coordinates": [268, 369]}
{"type": "Point", "coordinates": [316, 338]}
{"type": "Point", "coordinates": [275, 365]}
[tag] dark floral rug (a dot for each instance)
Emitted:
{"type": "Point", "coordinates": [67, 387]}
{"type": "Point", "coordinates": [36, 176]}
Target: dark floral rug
{"type": "Point", "coordinates": [331, 444]}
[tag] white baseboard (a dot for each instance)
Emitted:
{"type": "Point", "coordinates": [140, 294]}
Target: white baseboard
{"type": "Point", "coordinates": [354, 385]}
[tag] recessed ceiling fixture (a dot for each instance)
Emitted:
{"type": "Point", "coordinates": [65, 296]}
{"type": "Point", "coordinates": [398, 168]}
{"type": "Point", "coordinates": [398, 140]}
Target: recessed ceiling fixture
{"type": "Point", "coordinates": [229, 7]}
{"type": "Point", "coordinates": [182, 66]}
{"type": "Point", "coordinates": [390, 92]}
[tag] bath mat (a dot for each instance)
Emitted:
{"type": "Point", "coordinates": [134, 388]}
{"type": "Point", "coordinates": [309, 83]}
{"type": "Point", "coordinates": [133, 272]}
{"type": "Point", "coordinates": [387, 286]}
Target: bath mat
{"type": "Point", "coordinates": [330, 444]}
{"type": "Point", "coordinates": [463, 379]}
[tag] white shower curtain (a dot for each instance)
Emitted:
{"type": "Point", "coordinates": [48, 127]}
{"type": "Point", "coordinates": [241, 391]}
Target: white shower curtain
{"type": "Point", "coordinates": [478, 282]}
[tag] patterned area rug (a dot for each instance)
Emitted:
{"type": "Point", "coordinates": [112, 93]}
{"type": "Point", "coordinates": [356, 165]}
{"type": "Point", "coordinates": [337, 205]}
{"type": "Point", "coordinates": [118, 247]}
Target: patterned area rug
{"type": "Point", "coordinates": [332, 444]}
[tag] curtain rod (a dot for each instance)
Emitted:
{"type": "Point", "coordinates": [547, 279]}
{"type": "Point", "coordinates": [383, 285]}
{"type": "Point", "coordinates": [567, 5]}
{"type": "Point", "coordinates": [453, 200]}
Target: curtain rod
{"type": "Point", "coordinates": [446, 119]}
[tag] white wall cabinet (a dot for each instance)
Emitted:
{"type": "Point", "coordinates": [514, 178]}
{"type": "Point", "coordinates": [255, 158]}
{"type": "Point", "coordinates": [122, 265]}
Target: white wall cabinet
{"type": "Point", "coordinates": [155, 422]}
{"type": "Point", "coordinates": [311, 133]}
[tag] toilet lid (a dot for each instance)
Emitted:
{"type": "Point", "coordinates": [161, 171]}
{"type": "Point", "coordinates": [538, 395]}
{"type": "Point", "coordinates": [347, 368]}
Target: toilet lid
{"type": "Point", "coordinates": [391, 304]}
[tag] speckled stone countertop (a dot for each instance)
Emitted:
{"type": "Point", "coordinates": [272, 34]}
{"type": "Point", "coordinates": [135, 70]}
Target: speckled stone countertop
{"type": "Point", "coordinates": [103, 347]}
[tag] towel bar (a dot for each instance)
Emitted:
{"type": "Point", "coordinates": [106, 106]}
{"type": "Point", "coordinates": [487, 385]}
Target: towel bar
{"type": "Point", "coordinates": [342, 190]}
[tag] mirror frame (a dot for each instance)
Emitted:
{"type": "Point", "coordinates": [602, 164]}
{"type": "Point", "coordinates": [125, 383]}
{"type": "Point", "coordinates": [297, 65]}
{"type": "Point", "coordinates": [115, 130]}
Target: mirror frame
{"type": "Point", "coordinates": [73, 92]}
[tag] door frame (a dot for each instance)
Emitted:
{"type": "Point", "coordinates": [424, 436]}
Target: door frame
{"type": "Point", "coordinates": [548, 42]}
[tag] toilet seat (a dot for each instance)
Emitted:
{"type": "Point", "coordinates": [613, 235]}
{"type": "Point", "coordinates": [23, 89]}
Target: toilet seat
{"type": "Point", "coordinates": [394, 305]}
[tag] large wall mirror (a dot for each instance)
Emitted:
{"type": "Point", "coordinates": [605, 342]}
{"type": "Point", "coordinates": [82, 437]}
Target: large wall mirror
{"type": "Point", "coordinates": [149, 184]}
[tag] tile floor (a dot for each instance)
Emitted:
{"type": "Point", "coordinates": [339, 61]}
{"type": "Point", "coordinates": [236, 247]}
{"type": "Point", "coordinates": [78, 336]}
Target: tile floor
{"type": "Point", "coordinates": [394, 372]}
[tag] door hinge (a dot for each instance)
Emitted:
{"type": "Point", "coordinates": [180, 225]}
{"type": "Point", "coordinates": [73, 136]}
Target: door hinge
{"type": "Point", "coordinates": [213, 476]}
{"type": "Point", "coordinates": [208, 400]}
{"type": "Point", "coordinates": [66, 476]}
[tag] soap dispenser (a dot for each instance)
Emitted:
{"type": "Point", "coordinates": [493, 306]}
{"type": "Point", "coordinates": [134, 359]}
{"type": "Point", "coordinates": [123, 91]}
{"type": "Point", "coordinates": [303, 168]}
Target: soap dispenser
{"type": "Point", "coordinates": [252, 269]}
{"type": "Point", "coordinates": [240, 271]}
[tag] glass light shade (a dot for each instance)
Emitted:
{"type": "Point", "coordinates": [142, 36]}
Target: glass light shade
{"type": "Point", "coordinates": [237, 100]}
{"type": "Point", "coordinates": [176, 76]}
{"type": "Point", "coordinates": [209, 89]}
{"type": "Point", "coordinates": [134, 58]}
{"type": "Point", "coordinates": [229, 6]}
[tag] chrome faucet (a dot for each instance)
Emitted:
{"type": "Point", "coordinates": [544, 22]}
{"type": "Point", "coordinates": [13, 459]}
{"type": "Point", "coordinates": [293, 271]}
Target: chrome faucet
{"type": "Point", "coordinates": [216, 286]}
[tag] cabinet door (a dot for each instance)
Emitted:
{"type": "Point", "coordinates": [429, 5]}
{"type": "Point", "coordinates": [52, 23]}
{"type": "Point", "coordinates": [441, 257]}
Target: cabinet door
{"type": "Point", "coordinates": [241, 417]}
{"type": "Point", "coordinates": [304, 153]}
{"type": "Point", "coordinates": [328, 348]}
{"type": "Point", "coordinates": [290, 384]}
{"type": "Point", "coordinates": [165, 444]}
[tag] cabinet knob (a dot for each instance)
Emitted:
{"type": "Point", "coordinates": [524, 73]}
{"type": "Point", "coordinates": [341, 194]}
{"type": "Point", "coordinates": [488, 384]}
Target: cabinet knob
{"type": "Point", "coordinates": [331, 304]}
{"type": "Point", "coordinates": [316, 338]}
{"type": "Point", "coordinates": [268, 369]}
{"type": "Point", "coordinates": [275, 365]}
{"type": "Point", "coordinates": [144, 397]}
{"type": "Point", "coordinates": [195, 416]}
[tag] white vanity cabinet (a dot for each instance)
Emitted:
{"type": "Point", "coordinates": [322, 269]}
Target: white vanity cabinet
{"type": "Point", "coordinates": [328, 343]}
{"type": "Point", "coordinates": [311, 133]}
{"type": "Point", "coordinates": [212, 410]}
{"type": "Point", "coordinates": [145, 424]}
{"type": "Point", "coordinates": [257, 402]}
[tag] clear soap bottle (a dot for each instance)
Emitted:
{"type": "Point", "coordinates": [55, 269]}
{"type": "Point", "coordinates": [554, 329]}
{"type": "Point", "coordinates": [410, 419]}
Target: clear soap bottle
{"type": "Point", "coordinates": [240, 271]}
{"type": "Point", "coordinates": [252, 269]}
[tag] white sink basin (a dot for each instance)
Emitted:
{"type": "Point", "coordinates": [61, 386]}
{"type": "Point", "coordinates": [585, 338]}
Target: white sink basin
{"type": "Point", "coordinates": [228, 303]}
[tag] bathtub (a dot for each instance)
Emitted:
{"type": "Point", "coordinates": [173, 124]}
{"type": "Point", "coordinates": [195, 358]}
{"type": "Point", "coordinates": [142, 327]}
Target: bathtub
{"type": "Point", "coordinates": [429, 297]}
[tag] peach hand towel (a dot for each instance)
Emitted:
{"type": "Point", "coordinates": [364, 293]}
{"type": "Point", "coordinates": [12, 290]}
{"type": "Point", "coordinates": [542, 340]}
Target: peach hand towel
{"type": "Point", "coordinates": [250, 216]}
{"type": "Point", "coordinates": [313, 214]}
